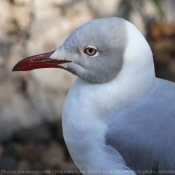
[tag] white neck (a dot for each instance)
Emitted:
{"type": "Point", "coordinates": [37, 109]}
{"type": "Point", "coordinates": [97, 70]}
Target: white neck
{"type": "Point", "coordinates": [86, 113]}
{"type": "Point", "coordinates": [89, 107]}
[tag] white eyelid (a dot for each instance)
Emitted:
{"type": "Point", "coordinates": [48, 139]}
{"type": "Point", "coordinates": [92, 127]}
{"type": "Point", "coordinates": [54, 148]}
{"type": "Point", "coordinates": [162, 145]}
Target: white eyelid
{"type": "Point", "coordinates": [93, 48]}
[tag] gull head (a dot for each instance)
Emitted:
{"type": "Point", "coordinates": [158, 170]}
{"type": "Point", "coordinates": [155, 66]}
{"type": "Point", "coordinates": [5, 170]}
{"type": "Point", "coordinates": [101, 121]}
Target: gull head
{"type": "Point", "coordinates": [97, 52]}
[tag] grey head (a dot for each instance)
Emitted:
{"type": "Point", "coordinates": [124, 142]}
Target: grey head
{"type": "Point", "coordinates": [96, 50]}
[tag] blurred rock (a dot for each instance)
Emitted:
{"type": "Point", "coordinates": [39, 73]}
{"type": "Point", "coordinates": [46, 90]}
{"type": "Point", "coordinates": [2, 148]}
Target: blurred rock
{"type": "Point", "coordinates": [23, 165]}
{"type": "Point", "coordinates": [29, 153]}
{"type": "Point", "coordinates": [42, 148]}
{"type": "Point", "coordinates": [36, 165]}
{"type": "Point", "coordinates": [162, 36]}
{"type": "Point", "coordinates": [12, 149]}
{"type": "Point", "coordinates": [162, 30]}
{"type": "Point", "coordinates": [41, 133]}
{"type": "Point", "coordinates": [54, 155]}
{"type": "Point", "coordinates": [57, 130]}
{"type": "Point", "coordinates": [68, 166]}
{"type": "Point", "coordinates": [1, 150]}
{"type": "Point", "coordinates": [7, 163]}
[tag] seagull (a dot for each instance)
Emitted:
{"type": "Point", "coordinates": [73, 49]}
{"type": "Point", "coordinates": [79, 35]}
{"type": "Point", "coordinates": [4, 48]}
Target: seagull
{"type": "Point", "coordinates": [118, 118]}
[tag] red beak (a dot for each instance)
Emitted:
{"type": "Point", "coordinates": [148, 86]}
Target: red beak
{"type": "Point", "coordinates": [37, 62]}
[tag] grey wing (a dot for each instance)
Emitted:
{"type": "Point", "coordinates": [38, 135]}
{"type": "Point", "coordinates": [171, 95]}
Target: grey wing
{"type": "Point", "coordinates": [144, 134]}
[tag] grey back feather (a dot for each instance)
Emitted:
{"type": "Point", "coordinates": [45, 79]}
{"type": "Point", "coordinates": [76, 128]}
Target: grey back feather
{"type": "Point", "coordinates": [144, 134]}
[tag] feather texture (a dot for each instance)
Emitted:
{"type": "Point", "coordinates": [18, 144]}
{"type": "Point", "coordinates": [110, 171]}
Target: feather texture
{"type": "Point", "coordinates": [144, 134]}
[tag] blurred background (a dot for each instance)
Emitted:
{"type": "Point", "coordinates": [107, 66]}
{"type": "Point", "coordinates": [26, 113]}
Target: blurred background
{"type": "Point", "coordinates": [31, 102]}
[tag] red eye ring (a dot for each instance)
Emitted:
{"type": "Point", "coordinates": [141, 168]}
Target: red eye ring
{"type": "Point", "coordinates": [90, 51]}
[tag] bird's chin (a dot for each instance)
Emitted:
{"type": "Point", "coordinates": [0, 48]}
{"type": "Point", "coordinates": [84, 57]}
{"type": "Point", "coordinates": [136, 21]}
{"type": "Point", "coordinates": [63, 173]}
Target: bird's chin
{"type": "Point", "coordinates": [74, 68]}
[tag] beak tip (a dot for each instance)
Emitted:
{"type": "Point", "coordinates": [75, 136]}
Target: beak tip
{"type": "Point", "coordinates": [15, 68]}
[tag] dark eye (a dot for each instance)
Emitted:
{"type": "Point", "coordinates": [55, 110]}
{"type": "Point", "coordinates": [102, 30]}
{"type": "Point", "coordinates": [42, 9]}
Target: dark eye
{"type": "Point", "coordinates": [90, 51]}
